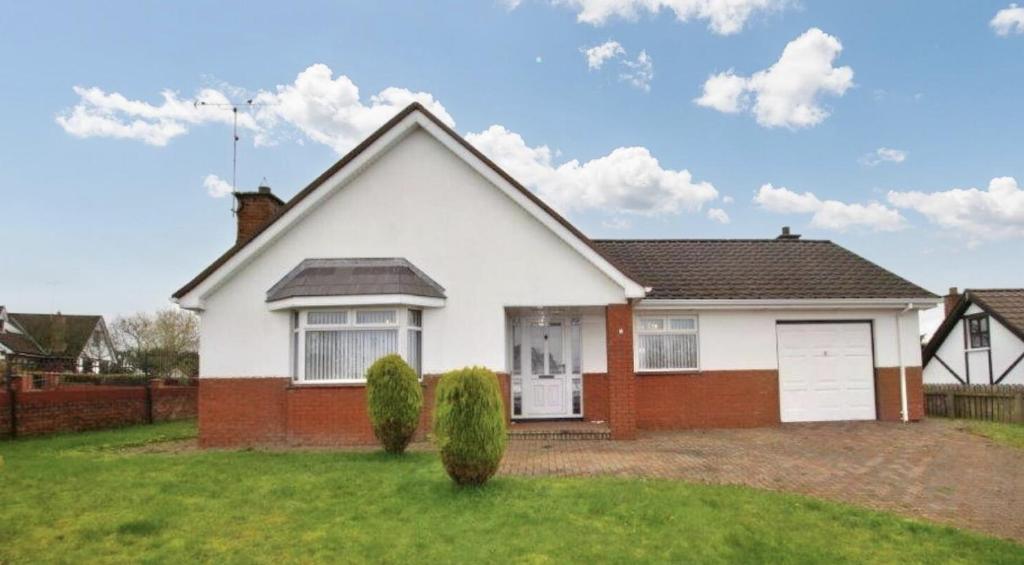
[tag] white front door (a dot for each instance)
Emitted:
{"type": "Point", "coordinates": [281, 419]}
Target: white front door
{"type": "Point", "coordinates": [826, 372]}
{"type": "Point", "coordinates": [546, 382]}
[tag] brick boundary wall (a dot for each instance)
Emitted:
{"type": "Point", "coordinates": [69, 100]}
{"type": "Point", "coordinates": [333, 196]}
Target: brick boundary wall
{"type": "Point", "coordinates": [80, 408]}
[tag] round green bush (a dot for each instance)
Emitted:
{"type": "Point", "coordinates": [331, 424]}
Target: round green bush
{"type": "Point", "coordinates": [394, 397]}
{"type": "Point", "coordinates": [469, 425]}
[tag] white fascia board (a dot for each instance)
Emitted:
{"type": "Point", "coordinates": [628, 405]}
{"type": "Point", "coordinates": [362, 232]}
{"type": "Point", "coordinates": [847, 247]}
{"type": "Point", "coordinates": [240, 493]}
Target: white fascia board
{"type": "Point", "coordinates": [791, 304]}
{"type": "Point", "coordinates": [195, 299]}
{"type": "Point", "coordinates": [631, 288]}
{"type": "Point", "coordinates": [355, 300]}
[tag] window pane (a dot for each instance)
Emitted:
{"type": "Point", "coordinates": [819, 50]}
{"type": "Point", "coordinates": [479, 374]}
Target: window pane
{"type": "Point", "coordinates": [381, 317]}
{"type": "Point", "coordinates": [517, 349]}
{"type": "Point", "coordinates": [652, 323]}
{"type": "Point", "coordinates": [416, 318]}
{"type": "Point", "coordinates": [537, 350]}
{"type": "Point", "coordinates": [682, 324]}
{"type": "Point", "coordinates": [321, 318]}
{"type": "Point", "coordinates": [416, 351]}
{"type": "Point", "coordinates": [556, 350]}
{"type": "Point", "coordinates": [345, 355]}
{"type": "Point", "coordinates": [667, 351]}
{"type": "Point", "coordinates": [576, 344]}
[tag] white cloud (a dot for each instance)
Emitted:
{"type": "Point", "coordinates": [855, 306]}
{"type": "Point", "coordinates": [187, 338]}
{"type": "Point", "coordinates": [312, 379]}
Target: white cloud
{"type": "Point", "coordinates": [617, 223]}
{"type": "Point", "coordinates": [638, 72]}
{"type": "Point", "coordinates": [727, 199]}
{"type": "Point", "coordinates": [1008, 20]}
{"type": "Point", "coordinates": [538, 59]}
{"type": "Point", "coordinates": [598, 54]}
{"type": "Point", "coordinates": [884, 155]}
{"type": "Point", "coordinates": [994, 213]}
{"type": "Point", "coordinates": [216, 186]}
{"type": "Point", "coordinates": [829, 214]}
{"type": "Point", "coordinates": [719, 215]}
{"type": "Point", "coordinates": [322, 108]}
{"type": "Point", "coordinates": [787, 93]}
{"type": "Point", "coordinates": [723, 16]}
{"type": "Point", "coordinates": [627, 180]}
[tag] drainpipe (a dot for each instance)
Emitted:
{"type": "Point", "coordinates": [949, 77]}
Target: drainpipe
{"type": "Point", "coordinates": [904, 409]}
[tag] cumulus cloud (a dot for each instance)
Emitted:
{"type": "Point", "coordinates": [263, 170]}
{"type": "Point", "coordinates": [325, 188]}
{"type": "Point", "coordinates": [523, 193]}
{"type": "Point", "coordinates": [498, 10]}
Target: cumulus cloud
{"type": "Point", "coordinates": [829, 214]}
{"type": "Point", "coordinates": [994, 213]}
{"type": "Point", "coordinates": [216, 186]}
{"type": "Point", "coordinates": [1008, 20]}
{"type": "Point", "coordinates": [788, 93]}
{"type": "Point", "coordinates": [628, 180]}
{"type": "Point", "coordinates": [329, 110]}
{"type": "Point", "coordinates": [638, 72]}
{"type": "Point", "coordinates": [884, 155]}
{"type": "Point", "coordinates": [325, 109]}
{"type": "Point", "coordinates": [724, 17]}
{"type": "Point", "coordinates": [598, 54]}
{"type": "Point", "coordinates": [719, 215]}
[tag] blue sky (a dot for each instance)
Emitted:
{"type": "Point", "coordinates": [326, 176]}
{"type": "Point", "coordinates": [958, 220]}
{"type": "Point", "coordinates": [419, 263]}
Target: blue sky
{"type": "Point", "coordinates": [106, 211]}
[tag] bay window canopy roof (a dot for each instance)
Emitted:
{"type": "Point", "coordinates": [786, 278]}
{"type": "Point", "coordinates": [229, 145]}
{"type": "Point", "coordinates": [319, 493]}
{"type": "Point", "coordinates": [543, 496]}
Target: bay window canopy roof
{"type": "Point", "coordinates": [351, 281]}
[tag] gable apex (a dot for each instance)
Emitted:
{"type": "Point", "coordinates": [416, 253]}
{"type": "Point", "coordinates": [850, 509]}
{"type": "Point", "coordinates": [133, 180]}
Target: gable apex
{"type": "Point", "coordinates": [192, 294]}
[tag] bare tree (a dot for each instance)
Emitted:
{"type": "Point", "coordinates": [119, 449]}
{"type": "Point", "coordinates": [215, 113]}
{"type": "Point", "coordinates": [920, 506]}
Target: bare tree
{"type": "Point", "coordinates": [161, 343]}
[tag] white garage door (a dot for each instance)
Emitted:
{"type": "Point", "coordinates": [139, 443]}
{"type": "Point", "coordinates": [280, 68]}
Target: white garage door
{"type": "Point", "coordinates": [826, 372]}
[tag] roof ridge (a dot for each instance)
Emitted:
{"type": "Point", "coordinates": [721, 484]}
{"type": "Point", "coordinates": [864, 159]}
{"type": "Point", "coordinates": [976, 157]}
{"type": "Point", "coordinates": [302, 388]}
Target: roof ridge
{"type": "Point", "coordinates": [994, 290]}
{"type": "Point", "coordinates": [701, 239]}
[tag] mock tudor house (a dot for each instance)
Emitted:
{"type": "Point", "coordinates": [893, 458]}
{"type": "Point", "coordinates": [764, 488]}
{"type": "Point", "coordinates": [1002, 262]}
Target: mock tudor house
{"type": "Point", "coordinates": [981, 340]}
{"type": "Point", "coordinates": [416, 243]}
{"type": "Point", "coordinates": [79, 343]}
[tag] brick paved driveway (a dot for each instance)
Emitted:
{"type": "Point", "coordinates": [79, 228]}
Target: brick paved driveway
{"type": "Point", "coordinates": [929, 469]}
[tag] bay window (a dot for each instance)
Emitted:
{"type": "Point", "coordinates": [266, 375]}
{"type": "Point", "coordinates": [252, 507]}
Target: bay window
{"type": "Point", "coordinates": [666, 342]}
{"type": "Point", "coordinates": [338, 345]}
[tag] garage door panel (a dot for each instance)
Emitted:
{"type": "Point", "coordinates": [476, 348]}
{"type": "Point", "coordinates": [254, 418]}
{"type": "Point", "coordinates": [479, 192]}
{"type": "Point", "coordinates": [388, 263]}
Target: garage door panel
{"type": "Point", "coordinates": [826, 372]}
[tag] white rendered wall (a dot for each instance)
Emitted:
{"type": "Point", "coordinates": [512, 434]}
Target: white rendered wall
{"type": "Point", "coordinates": [421, 202]}
{"type": "Point", "coordinates": [739, 340]}
{"type": "Point", "coordinates": [1006, 348]}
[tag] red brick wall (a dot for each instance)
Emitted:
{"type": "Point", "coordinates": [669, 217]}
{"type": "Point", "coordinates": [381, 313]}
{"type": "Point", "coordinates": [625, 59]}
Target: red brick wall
{"type": "Point", "coordinates": [5, 410]}
{"type": "Point", "coordinates": [269, 411]}
{"type": "Point", "coordinates": [887, 393]}
{"type": "Point", "coordinates": [622, 398]}
{"type": "Point", "coordinates": [708, 399]}
{"type": "Point", "coordinates": [234, 412]}
{"type": "Point", "coordinates": [175, 403]}
{"type": "Point", "coordinates": [595, 397]}
{"type": "Point", "coordinates": [254, 209]}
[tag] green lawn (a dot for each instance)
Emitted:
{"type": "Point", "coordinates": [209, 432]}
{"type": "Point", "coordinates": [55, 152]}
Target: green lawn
{"type": "Point", "coordinates": [98, 498]}
{"type": "Point", "coordinates": [1008, 434]}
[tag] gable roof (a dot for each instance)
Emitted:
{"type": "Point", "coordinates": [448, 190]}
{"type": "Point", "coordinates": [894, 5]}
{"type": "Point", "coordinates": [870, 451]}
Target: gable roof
{"type": "Point", "coordinates": [351, 277]}
{"type": "Point", "coordinates": [356, 152]}
{"type": "Point", "coordinates": [20, 344]}
{"type": "Point", "coordinates": [1003, 304]}
{"type": "Point", "coordinates": [751, 269]}
{"type": "Point", "coordinates": [58, 335]}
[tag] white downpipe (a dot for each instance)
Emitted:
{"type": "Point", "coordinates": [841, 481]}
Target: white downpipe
{"type": "Point", "coordinates": [904, 409]}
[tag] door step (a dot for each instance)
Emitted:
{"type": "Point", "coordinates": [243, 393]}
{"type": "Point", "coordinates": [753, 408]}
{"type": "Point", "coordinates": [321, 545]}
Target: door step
{"type": "Point", "coordinates": [558, 431]}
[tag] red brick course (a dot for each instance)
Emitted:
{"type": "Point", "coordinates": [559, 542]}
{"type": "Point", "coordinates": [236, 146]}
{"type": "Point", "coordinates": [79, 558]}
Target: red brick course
{"type": "Point", "coordinates": [595, 397]}
{"type": "Point", "coordinates": [887, 393]}
{"type": "Point", "coordinates": [708, 399]}
{"type": "Point", "coordinates": [5, 411]}
{"type": "Point", "coordinates": [236, 412]}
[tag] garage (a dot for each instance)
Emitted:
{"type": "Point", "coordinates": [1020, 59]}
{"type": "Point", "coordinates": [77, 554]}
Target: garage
{"type": "Point", "coordinates": [826, 371]}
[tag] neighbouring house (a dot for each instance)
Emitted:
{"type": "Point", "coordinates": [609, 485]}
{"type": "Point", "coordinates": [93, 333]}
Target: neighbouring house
{"type": "Point", "coordinates": [416, 243]}
{"type": "Point", "coordinates": [981, 340]}
{"type": "Point", "coordinates": [56, 341]}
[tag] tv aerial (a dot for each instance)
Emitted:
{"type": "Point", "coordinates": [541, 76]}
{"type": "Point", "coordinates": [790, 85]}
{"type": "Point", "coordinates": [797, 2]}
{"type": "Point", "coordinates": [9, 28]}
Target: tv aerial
{"type": "Point", "coordinates": [234, 107]}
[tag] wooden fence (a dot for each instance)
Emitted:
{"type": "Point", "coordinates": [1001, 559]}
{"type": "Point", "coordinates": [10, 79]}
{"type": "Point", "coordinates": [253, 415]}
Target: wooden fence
{"type": "Point", "coordinates": [994, 403]}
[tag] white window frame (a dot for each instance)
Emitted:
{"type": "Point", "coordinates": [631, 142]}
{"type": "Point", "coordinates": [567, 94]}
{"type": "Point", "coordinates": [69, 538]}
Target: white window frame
{"type": "Point", "coordinates": [300, 325]}
{"type": "Point", "coordinates": [666, 316]}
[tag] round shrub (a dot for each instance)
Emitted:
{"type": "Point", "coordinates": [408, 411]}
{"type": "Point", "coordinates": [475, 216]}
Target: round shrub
{"type": "Point", "coordinates": [394, 397]}
{"type": "Point", "coordinates": [469, 425]}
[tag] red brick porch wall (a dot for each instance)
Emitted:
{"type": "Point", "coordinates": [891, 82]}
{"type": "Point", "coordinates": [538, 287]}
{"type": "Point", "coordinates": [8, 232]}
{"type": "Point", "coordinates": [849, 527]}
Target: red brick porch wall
{"type": "Point", "coordinates": [595, 397]}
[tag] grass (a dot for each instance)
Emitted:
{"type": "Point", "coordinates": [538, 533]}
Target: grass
{"type": "Point", "coordinates": [97, 497]}
{"type": "Point", "coordinates": [1007, 434]}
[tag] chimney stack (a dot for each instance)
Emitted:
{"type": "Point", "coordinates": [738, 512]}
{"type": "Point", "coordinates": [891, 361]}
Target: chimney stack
{"type": "Point", "coordinates": [254, 210]}
{"type": "Point", "coordinates": [786, 235]}
{"type": "Point", "coordinates": [951, 299]}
